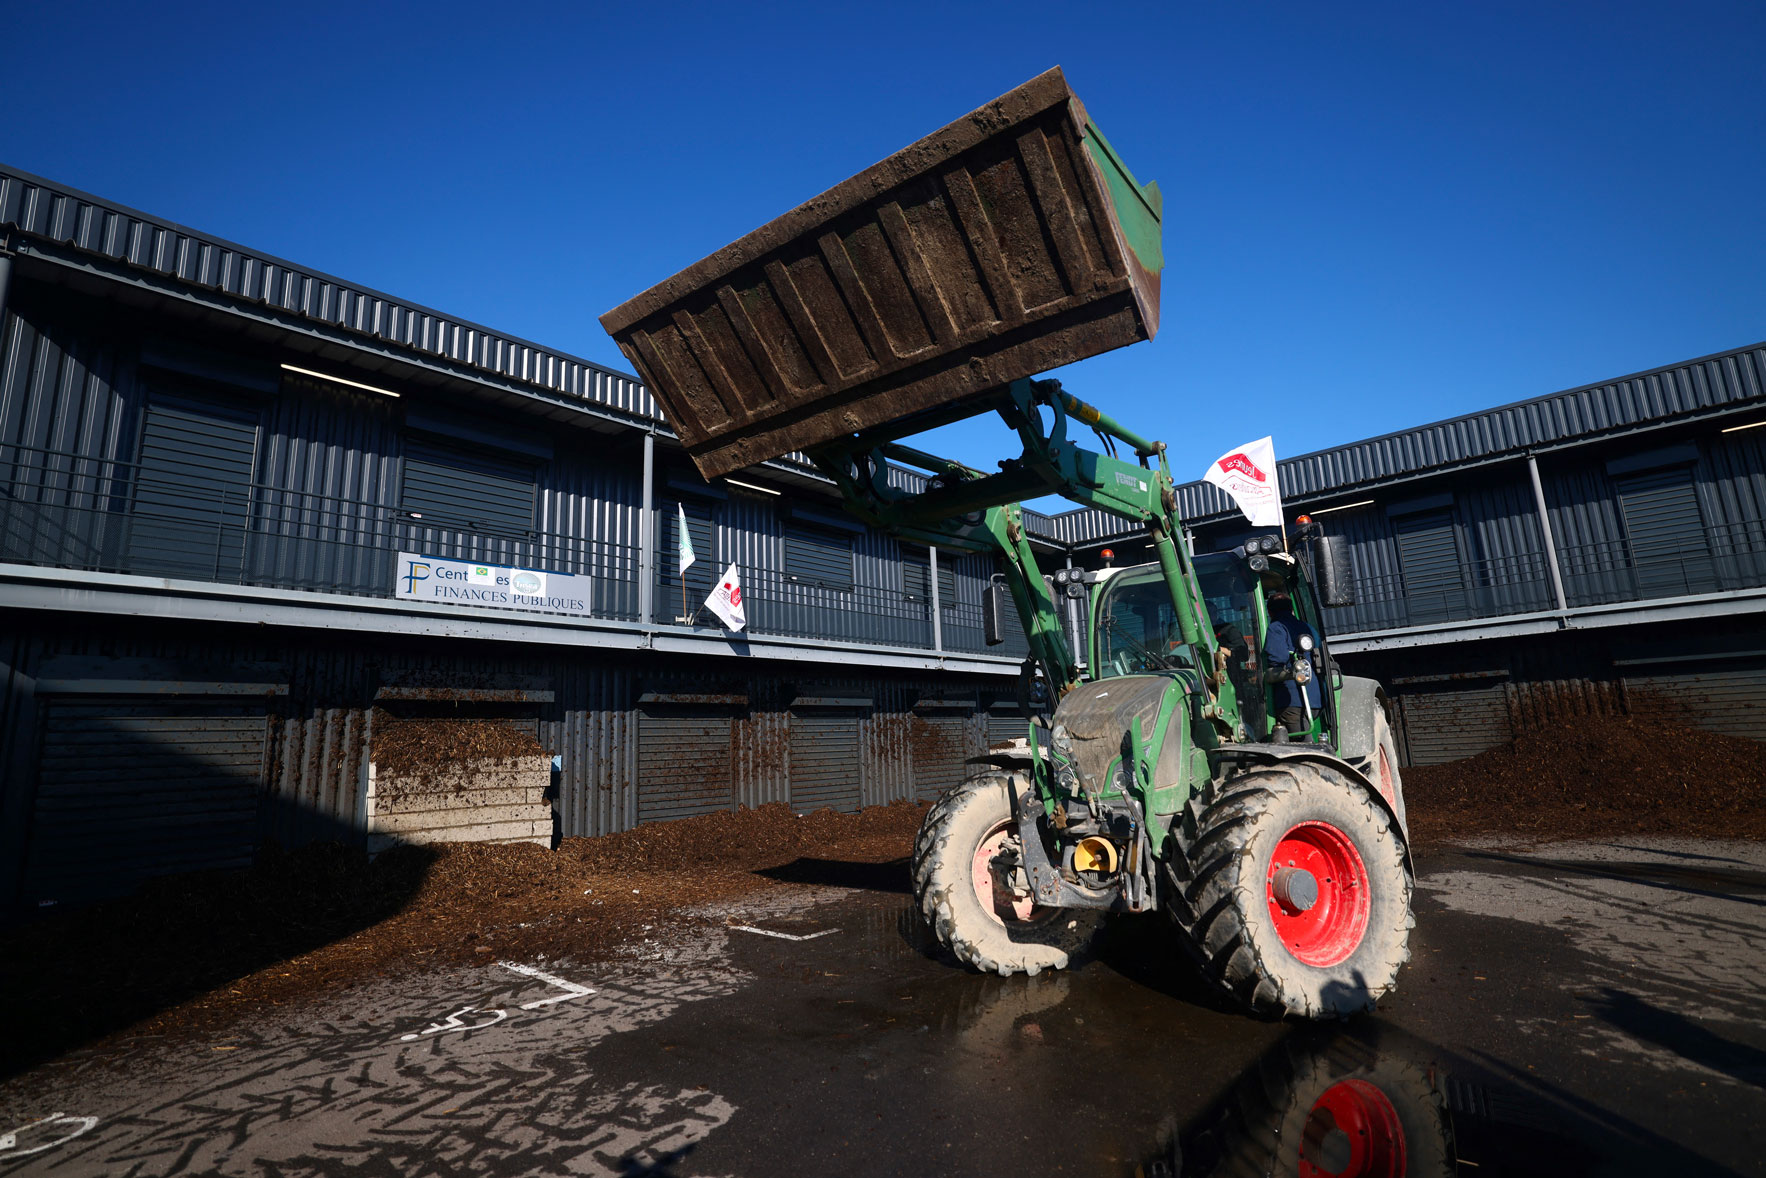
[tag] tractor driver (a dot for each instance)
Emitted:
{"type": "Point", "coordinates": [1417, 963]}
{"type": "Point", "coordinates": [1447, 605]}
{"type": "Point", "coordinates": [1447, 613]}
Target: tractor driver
{"type": "Point", "coordinates": [1282, 648]}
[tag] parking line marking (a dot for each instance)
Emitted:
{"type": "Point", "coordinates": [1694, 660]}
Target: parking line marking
{"type": "Point", "coordinates": [767, 932]}
{"type": "Point", "coordinates": [575, 991]}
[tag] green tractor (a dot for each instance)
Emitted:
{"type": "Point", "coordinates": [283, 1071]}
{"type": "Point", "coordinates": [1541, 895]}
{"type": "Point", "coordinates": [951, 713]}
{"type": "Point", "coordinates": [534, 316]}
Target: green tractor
{"type": "Point", "coordinates": [930, 289]}
{"type": "Point", "coordinates": [1158, 777]}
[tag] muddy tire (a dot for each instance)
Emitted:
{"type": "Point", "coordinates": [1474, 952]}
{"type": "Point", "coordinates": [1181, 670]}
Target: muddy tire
{"type": "Point", "coordinates": [1384, 768]}
{"type": "Point", "coordinates": [1331, 1106]}
{"type": "Point", "coordinates": [984, 928]}
{"type": "Point", "coordinates": [1289, 886]}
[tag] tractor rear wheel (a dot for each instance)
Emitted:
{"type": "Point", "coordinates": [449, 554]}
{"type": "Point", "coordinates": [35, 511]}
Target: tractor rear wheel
{"type": "Point", "coordinates": [962, 883]}
{"type": "Point", "coordinates": [1384, 769]}
{"type": "Point", "coordinates": [1289, 884]}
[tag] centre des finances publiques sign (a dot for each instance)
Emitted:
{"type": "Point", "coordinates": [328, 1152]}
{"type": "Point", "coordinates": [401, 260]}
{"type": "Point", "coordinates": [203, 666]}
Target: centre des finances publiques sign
{"type": "Point", "coordinates": [465, 582]}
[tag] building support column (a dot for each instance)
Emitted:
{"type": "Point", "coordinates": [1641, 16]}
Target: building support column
{"type": "Point", "coordinates": [1551, 548]}
{"type": "Point", "coordinates": [647, 535]}
{"type": "Point", "coordinates": [5, 292]}
{"type": "Point", "coordinates": [937, 606]}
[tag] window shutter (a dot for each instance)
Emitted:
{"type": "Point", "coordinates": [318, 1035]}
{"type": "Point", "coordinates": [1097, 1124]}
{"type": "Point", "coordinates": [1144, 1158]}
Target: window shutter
{"type": "Point", "coordinates": [1434, 574]}
{"type": "Point", "coordinates": [916, 581]}
{"type": "Point", "coordinates": [818, 558]}
{"type": "Point", "coordinates": [1670, 552]}
{"type": "Point", "coordinates": [191, 494]}
{"type": "Point", "coordinates": [475, 491]}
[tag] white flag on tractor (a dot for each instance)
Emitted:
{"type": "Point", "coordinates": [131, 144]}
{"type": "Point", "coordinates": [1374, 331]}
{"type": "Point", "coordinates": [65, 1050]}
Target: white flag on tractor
{"type": "Point", "coordinates": [1247, 473]}
{"type": "Point", "coordinates": [726, 600]}
{"type": "Point", "coordinates": [686, 545]}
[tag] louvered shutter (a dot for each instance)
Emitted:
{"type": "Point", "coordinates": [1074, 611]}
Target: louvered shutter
{"type": "Point", "coordinates": [1434, 574]}
{"type": "Point", "coordinates": [192, 492]}
{"type": "Point", "coordinates": [817, 558]}
{"type": "Point", "coordinates": [1670, 553]}
{"type": "Point", "coordinates": [449, 485]}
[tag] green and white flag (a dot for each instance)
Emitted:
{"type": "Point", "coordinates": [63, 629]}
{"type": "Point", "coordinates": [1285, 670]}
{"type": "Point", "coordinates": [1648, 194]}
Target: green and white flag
{"type": "Point", "coordinates": [686, 547]}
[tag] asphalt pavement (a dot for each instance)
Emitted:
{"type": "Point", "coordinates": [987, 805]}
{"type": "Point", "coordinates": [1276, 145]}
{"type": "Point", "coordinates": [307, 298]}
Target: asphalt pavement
{"type": "Point", "coordinates": [1589, 1008]}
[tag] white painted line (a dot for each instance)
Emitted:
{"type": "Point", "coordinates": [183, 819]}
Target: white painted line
{"type": "Point", "coordinates": [9, 1140]}
{"type": "Point", "coordinates": [575, 991]}
{"type": "Point", "coordinates": [454, 1023]}
{"type": "Point", "coordinates": [767, 932]}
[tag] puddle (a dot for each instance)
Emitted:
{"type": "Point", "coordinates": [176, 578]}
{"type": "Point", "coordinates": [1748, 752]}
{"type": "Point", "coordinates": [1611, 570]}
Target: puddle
{"type": "Point", "coordinates": [1366, 1102]}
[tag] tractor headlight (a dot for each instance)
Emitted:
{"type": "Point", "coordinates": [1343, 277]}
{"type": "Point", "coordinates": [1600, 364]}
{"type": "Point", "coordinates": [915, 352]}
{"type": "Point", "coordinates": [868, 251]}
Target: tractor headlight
{"type": "Point", "coordinates": [1075, 588]}
{"type": "Point", "coordinates": [1062, 740]}
{"type": "Point", "coordinates": [1306, 642]}
{"type": "Point", "coordinates": [1257, 563]}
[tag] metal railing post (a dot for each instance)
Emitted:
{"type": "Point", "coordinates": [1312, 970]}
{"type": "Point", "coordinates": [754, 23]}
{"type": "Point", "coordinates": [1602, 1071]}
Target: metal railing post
{"type": "Point", "coordinates": [1551, 549]}
{"type": "Point", "coordinates": [647, 534]}
{"type": "Point", "coordinates": [937, 606]}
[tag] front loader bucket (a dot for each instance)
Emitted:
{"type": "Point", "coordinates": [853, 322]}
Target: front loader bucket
{"type": "Point", "coordinates": [1009, 243]}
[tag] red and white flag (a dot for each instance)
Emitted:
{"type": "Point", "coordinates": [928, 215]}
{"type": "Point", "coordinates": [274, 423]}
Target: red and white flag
{"type": "Point", "coordinates": [726, 600]}
{"type": "Point", "coordinates": [1247, 473]}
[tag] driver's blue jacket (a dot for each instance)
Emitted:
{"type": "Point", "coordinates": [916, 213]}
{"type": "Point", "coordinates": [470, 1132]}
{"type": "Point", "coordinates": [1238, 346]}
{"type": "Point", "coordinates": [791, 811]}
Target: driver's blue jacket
{"type": "Point", "coordinates": [1279, 645]}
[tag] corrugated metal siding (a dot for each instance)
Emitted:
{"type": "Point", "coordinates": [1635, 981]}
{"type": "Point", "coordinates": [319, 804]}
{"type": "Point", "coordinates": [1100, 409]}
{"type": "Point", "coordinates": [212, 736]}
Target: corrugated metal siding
{"type": "Point", "coordinates": [686, 761]}
{"type": "Point", "coordinates": [595, 738]}
{"type": "Point", "coordinates": [1728, 380]}
{"type": "Point", "coordinates": [941, 744]}
{"type": "Point", "coordinates": [328, 477]}
{"type": "Point", "coordinates": [825, 760]}
{"type": "Point", "coordinates": [83, 222]}
{"type": "Point", "coordinates": [129, 788]}
{"type": "Point", "coordinates": [1451, 725]}
{"type": "Point", "coordinates": [763, 742]}
{"type": "Point", "coordinates": [1730, 700]}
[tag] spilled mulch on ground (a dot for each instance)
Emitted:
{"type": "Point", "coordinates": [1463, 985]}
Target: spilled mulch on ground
{"type": "Point", "coordinates": [1600, 776]}
{"type": "Point", "coordinates": [193, 951]}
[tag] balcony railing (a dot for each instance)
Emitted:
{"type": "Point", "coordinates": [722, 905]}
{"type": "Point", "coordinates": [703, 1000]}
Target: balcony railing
{"type": "Point", "coordinates": [65, 511]}
{"type": "Point", "coordinates": [1711, 560]}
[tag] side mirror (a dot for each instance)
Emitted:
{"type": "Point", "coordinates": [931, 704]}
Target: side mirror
{"type": "Point", "coordinates": [1336, 582]}
{"type": "Point", "coordinates": [994, 604]}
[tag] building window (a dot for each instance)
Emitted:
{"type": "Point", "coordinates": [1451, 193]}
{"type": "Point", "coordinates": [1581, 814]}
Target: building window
{"type": "Point", "coordinates": [1670, 549]}
{"type": "Point", "coordinates": [818, 558]}
{"type": "Point", "coordinates": [455, 487]}
{"type": "Point", "coordinates": [917, 583]}
{"type": "Point", "coordinates": [1433, 569]}
{"type": "Point", "coordinates": [193, 488]}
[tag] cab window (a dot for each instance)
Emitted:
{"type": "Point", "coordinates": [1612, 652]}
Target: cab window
{"type": "Point", "coordinates": [1137, 628]}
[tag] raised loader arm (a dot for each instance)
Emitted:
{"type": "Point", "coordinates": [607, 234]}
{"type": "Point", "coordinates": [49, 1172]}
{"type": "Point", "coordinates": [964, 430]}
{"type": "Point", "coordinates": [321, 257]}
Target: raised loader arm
{"type": "Point", "coordinates": [961, 507]}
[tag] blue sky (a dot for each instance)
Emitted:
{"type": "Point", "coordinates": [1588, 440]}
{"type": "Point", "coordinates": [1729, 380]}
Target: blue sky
{"type": "Point", "coordinates": [1377, 215]}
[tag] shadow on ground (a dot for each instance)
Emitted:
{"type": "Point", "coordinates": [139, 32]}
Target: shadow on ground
{"type": "Point", "coordinates": [86, 973]}
{"type": "Point", "coordinates": [838, 873]}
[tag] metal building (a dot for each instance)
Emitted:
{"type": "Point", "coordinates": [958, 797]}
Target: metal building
{"type": "Point", "coordinates": [1599, 549]}
{"type": "Point", "coordinates": [219, 473]}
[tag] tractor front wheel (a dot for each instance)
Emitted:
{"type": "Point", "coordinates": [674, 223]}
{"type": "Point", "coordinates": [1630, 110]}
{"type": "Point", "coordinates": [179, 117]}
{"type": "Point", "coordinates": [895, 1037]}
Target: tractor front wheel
{"type": "Point", "coordinates": [1289, 884]}
{"type": "Point", "coordinates": [970, 895]}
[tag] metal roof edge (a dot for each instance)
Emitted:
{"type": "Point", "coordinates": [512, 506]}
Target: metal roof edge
{"type": "Point", "coordinates": [1067, 523]}
{"type": "Point", "coordinates": [9, 218]}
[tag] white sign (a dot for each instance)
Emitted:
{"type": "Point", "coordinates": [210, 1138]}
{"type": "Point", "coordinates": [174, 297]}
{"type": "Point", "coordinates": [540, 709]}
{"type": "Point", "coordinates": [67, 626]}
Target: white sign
{"type": "Point", "coordinates": [726, 600]}
{"type": "Point", "coordinates": [1248, 475]}
{"type": "Point", "coordinates": [464, 582]}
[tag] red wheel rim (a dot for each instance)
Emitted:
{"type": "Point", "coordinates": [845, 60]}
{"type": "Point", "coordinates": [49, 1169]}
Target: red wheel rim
{"type": "Point", "coordinates": [1327, 930]}
{"type": "Point", "coordinates": [1352, 1132]}
{"type": "Point", "coordinates": [996, 901]}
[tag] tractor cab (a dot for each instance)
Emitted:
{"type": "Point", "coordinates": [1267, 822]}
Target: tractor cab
{"type": "Point", "coordinates": [1136, 629]}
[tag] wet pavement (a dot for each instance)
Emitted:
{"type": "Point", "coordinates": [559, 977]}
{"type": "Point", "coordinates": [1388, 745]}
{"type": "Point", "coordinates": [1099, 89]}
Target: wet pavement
{"type": "Point", "coordinates": [1572, 1009]}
